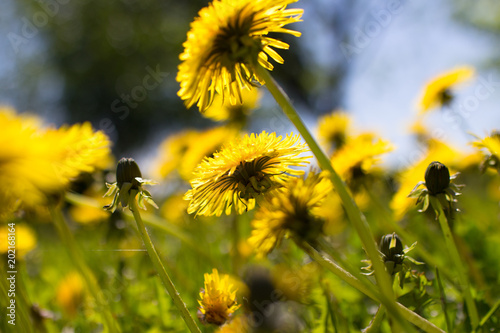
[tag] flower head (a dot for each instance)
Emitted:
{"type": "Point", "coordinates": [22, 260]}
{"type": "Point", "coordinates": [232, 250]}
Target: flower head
{"type": "Point", "coordinates": [36, 162]}
{"type": "Point", "coordinates": [437, 183]}
{"type": "Point", "coordinates": [227, 40]}
{"type": "Point", "coordinates": [129, 183]}
{"type": "Point", "coordinates": [333, 129]}
{"type": "Point", "coordinates": [240, 324]}
{"type": "Point", "coordinates": [438, 92]}
{"type": "Point", "coordinates": [233, 113]}
{"type": "Point", "coordinates": [71, 293]}
{"type": "Point", "coordinates": [491, 144]}
{"type": "Point", "coordinates": [290, 211]}
{"type": "Point", "coordinates": [243, 170]}
{"type": "Point", "coordinates": [394, 256]}
{"type": "Point", "coordinates": [25, 239]}
{"type": "Point", "coordinates": [217, 299]}
{"type": "Point", "coordinates": [359, 156]}
{"type": "Point", "coordinates": [183, 151]}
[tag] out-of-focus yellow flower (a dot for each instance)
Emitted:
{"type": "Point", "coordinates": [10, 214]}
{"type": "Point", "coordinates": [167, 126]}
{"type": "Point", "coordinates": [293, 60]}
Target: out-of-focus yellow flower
{"type": "Point", "coordinates": [333, 129]}
{"type": "Point", "coordinates": [71, 293]}
{"type": "Point", "coordinates": [438, 91]}
{"type": "Point", "coordinates": [234, 113]}
{"type": "Point", "coordinates": [359, 156]}
{"type": "Point", "coordinates": [217, 299]}
{"type": "Point", "coordinates": [86, 214]}
{"type": "Point", "coordinates": [183, 151]}
{"type": "Point", "coordinates": [226, 42]}
{"type": "Point", "coordinates": [491, 145]}
{"type": "Point", "coordinates": [35, 161]}
{"type": "Point", "coordinates": [408, 178]}
{"type": "Point", "coordinates": [23, 236]}
{"type": "Point", "coordinates": [239, 324]}
{"type": "Point", "coordinates": [332, 212]}
{"type": "Point", "coordinates": [243, 170]}
{"type": "Point", "coordinates": [174, 208]}
{"type": "Point", "coordinates": [290, 211]}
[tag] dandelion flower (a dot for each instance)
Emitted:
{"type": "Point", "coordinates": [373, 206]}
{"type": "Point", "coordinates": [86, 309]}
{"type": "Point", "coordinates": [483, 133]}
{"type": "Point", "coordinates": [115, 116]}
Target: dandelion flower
{"type": "Point", "coordinates": [290, 211]}
{"type": "Point", "coordinates": [407, 178]}
{"type": "Point", "coordinates": [358, 157]}
{"type": "Point", "coordinates": [25, 239]}
{"type": "Point", "coordinates": [233, 113]}
{"type": "Point", "coordinates": [36, 161]}
{"type": "Point", "coordinates": [333, 129]}
{"type": "Point", "coordinates": [491, 144]}
{"type": "Point", "coordinates": [242, 171]}
{"type": "Point", "coordinates": [438, 92]}
{"type": "Point", "coordinates": [128, 184]}
{"type": "Point", "coordinates": [70, 293]}
{"type": "Point", "coordinates": [183, 151]}
{"type": "Point", "coordinates": [227, 40]}
{"type": "Point", "coordinates": [217, 299]}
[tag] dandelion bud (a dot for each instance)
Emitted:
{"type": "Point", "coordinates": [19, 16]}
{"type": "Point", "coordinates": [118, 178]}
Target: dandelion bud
{"type": "Point", "coordinates": [391, 248]}
{"type": "Point", "coordinates": [437, 177]}
{"type": "Point", "coordinates": [126, 172]}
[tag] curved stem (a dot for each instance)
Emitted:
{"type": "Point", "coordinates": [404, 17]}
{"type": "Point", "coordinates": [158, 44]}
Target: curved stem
{"type": "Point", "coordinates": [455, 257]}
{"type": "Point", "coordinates": [355, 215]}
{"type": "Point", "coordinates": [76, 256]}
{"type": "Point", "coordinates": [347, 277]}
{"type": "Point", "coordinates": [376, 321]}
{"type": "Point", "coordinates": [160, 269]}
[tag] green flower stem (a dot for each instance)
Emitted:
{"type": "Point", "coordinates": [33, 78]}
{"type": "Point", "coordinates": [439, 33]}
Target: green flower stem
{"type": "Point", "coordinates": [153, 255]}
{"type": "Point", "coordinates": [455, 257]}
{"type": "Point", "coordinates": [355, 216]}
{"type": "Point", "coordinates": [493, 309]}
{"type": "Point", "coordinates": [443, 301]}
{"type": "Point", "coordinates": [407, 314]}
{"type": "Point", "coordinates": [76, 256]}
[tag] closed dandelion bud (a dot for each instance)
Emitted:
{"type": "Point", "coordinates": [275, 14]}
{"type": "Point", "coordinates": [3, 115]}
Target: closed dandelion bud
{"type": "Point", "coordinates": [391, 248]}
{"type": "Point", "coordinates": [437, 177]}
{"type": "Point", "coordinates": [126, 172]}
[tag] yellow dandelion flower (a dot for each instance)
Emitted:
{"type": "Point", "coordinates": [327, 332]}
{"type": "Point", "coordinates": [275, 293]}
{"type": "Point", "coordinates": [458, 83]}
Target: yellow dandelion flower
{"type": "Point", "coordinates": [87, 214]}
{"type": "Point", "coordinates": [227, 40]}
{"type": "Point", "coordinates": [239, 324]}
{"type": "Point", "coordinates": [36, 161]}
{"type": "Point", "coordinates": [332, 212]}
{"type": "Point", "coordinates": [78, 148]}
{"type": "Point", "coordinates": [217, 299]}
{"type": "Point", "coordinates": [234, 113]}
{"type": "Point", "coordinates": [438, 93]}
{"type": "Point", "coordinates": [407, 179]}
{"type": "Point", "coordinates": [70, 293]}
{"type": "Point", "coordinates": [183, 151]}
{"type": "Point", "coordinates": [359, 156]}
{"type": "Point", "coordinates": [174, 208]}
{"type": "Point", "coordinates": [333, 129]}
{"type": "Point", "coordinates": [491, 145]}
{"type": "Point", "coordinates": [290, 211]}
{"type": "Point", "coordinates": [243, 170]}
{"type": "Point", "coordinates": [25, 239]}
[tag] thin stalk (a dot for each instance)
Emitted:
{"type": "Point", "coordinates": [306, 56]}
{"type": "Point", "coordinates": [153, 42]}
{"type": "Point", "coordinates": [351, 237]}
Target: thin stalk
{"type": "Point", "coordinates": [160, 269]}
{"type": "Point", "coordinates": [236, 259]}
{"type": "Point", "coordinates": [444, 305]}
{"type": "Point", "coordinates": [76, 256]}
{"type": "Point", "coordinates": [407, 314]}
{"type": "Point", "coordinates": [455, 257]}
{"type": "Point", "coordinates": [376, 321]}
{"type": "Point", "coordinates": [355, 215]}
